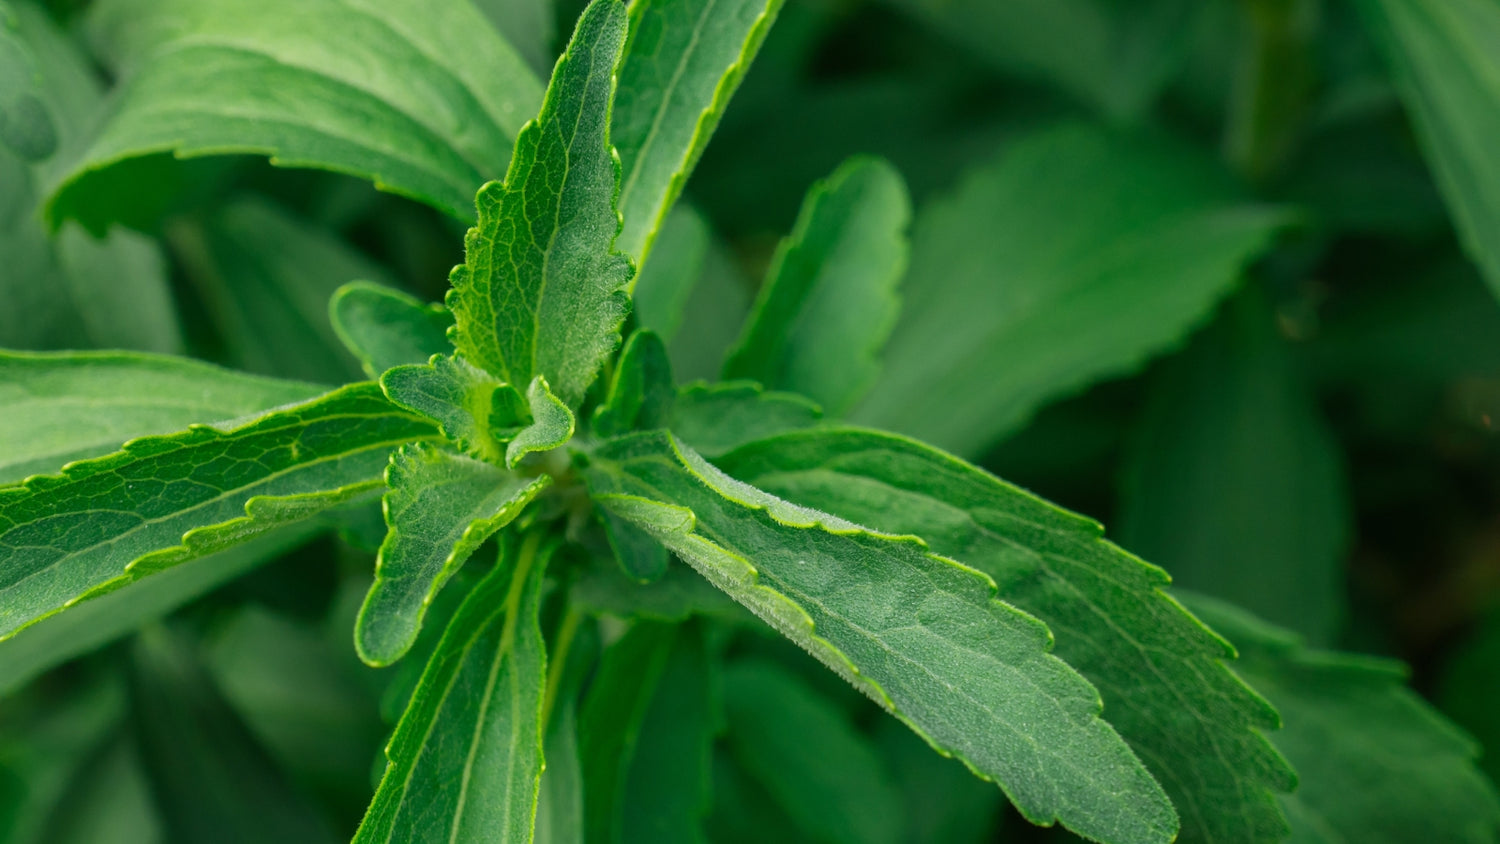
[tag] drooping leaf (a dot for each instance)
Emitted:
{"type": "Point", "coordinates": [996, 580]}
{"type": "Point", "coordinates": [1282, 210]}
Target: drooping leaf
{"type": "Point", "coordinates": [1376, 762]}
{"type": "Point", "coordinates": [385, 327]}
{"type": "Point", "coordinates": [440, 508]}
{"type": "Point", "coordinates": [1074, 256]}
{"type": "Point", "coordinates": [467, 755]}
{"type": "Point", "coordinates": [683, 62]}
{"type": "Point", "coordinates": [423, 101]}
{"type": "Point", "coordinates": [829, 301]}
{"type": "Point", "coordinates": [60, 407]}
{"type": "Point", "coordinates": [1159, 670]}
{"type": "Point", "coordinates": [804, 751]}
{"type": "Point", "coordinates": [1446, 59]}
{"type": "Point", "coordinates": [165, 500]}
{"type": "Point", "coordinates": [919, 634]}
{"type": "Point", "coordinates": [641, 393]}
{"type": "Point", "coordinates": [1233, 481]}
{"type": "Point", "coordinates": [475, 411]}
{"type": "Point", "coordinates": [717, 418]}
{"type": "Point", "coordinates": [551, 425]}
{"type": "Point", "coordinates": [541, 292]}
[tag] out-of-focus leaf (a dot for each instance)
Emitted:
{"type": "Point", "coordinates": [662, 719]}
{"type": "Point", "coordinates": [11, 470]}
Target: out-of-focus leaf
{"type": "Point", "coordinates": [385, 327]}
{"type": "Point", "coordinates": [641, 393]}
{"type": "Point", "coordinates": [529, 25]}
{"type": "Point", "coordinates": [717, 418]}
{"type": "Point", "coordinates": [1471, 685]}
{"type": "Point", "coordinates": [559, 805]}
{"type": "Point", "coordinates": [26, 127]}
{"type": "Point", "coordinates": [942, 800]}
{"type": "Point", "coordinates": [711, 317]}
{"type": "Point", "coordinates": [108, 800]}
{"type": "Point", "coordinates": [663, 286]}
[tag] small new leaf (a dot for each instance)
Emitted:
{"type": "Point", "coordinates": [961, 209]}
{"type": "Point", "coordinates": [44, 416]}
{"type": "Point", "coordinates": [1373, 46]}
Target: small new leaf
{"type": "Point", "coordinates": [551, 424]}
{"type": "Point", "coordinates": [641, 393]}
{"type": "Point", "coordinates": [475, 411]}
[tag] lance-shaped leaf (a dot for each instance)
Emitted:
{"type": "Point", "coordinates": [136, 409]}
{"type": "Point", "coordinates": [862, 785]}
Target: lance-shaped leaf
{"type": "Point", "coordinates": [440, 508]}
{"type": "Point", "coordinates": [829, 301]}
{"type": "Point", "coordinates": [475, 411]}
{"type": "Point", "coordinates": [467, 754]}
{"type": "Point", "coordinates": [60, 407]}
{"type": "Point", "coordinates": [165, 500]}
{"type": "Point", "coordinates": [1113, 622]}
{"type": "Point", "coordinates": [541, 292]}
{"type": "Point", "coordinates": [1377, 763]}
{"type": "Point", "coordinates": [641, 393]}
{"type": "Point", "coordinates": [551, 424]}
{"type": "Point", "coordinates": [718, 418]}
{"type": "Point", "coordinates": [385, 327]}
{"type": "Point", "coordinates": [1446, 57]}
{"type": "Point", "coordinates": [684, 60]}
{"type": "Point", "coordinates": [921, 635]}
{"type": "Point", "coordinates": [422, 100]}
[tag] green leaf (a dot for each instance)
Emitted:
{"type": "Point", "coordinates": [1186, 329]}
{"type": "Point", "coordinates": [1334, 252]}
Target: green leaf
{"type": "Point", "coordinates": [683, 62]}
{"type": "Point", "coordinates": [1234, 482]}
{"type": "Point", "coordinates": [1469, 687]}
{"type": "Point", "coordinates": [680, 593]}
{"type": "Point", "coordinates": [921, 635]}
{"type": "Point", "coordinates": [663, 287]}
{"type": "Point", "coordinates": [385, 327]}
{"type": "Point", "coordinates": [162, 501]}
{"type": "Point", "coordinates": [119, 288]}
{"type": "Point", "coordinates": [422, 101]}
{"type": "Point", "coordinates": [26, 128]}
{"type": "Point", "coordinates": [641, 393]}
{"type": "Point", "coordinates": [804, 751]}
{"type": "Point", "coordinates": [467, 754]}
{"type": "Point", "coordinates": [1074, 256]}
{"type": "Point", "coordinates": [640, 556]}
{"type": "Point", "coordinates": [440, 508]}
{"type": "Point", "coordinates": [551, 426]}
{"type": "Point", "coordinates": [475, 411]}
{"type": "Point", "coordinates": [829, 301]}
{"type": "Point", "coordinates": [1446, 60]}
{"type": "Point", "coordinates": [541, 292]}
{"type": "Point", "coordinates": [109, 799]}
{"type": "Point", "coordinates": [60, 407]}
{"type": "Point", "coordinates": [1377, 763]}
{"type": "Point", "coordinates": [529, 25]}
{"type": "Point", "coordinates": [1113, 622]}
{"type": "Point", "coordinates": [560, 808]}
{"type": "Point", "coordinates": [717, 418]}
{"type": "Point", "coordinates": [943, 801]}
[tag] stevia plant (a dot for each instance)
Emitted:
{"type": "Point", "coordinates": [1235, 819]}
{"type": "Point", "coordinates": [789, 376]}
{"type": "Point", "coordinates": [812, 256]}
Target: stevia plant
{"type": "Point", "coordinates": [575, 540]}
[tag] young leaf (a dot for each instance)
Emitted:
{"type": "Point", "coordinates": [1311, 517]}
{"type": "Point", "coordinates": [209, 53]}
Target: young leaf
{"type": "Point", "coordinates": [717, 418]}
{"type": "Point", "coordinates": [551, 426]}
{"type": "Point", "coordinates": [1112, 621]}
{"type": "Point", "coordinates": [541, 292]}
{"type": "Point", "coordinates": [921, 635]}
{"type": "Point", "coordinates": [1075, 256]}
{"type": "Point", "coordinates": [467, 755]}
{"type": "Point", "coordinates": [1233, 481]}
{"type": "Point", "coordinates": [423, 101]}
{"type": "Point", "coordinates": [61, 407]}
{"type": "Point", "coordinates": [440, 508]}
{"type": "Point", "coordinates": [385, 327]}
{"type": "Point", "coordinates": [641, 393]}
{"type": "Point", "coordinates": [475, 411]}
{"type": "Point", "coordinates": [1376, 762]}
{"type": "Point", "coordinates": [683, 62]}
{"type": "Point", "coordinates": [1446, 58]}
{"type": "Point", "coordinates": [162, 501]}
{"type": "Point", "coordinates": [829, 301]}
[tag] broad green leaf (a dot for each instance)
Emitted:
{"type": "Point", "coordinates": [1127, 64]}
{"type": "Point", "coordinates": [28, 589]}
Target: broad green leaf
{"type": "Point", "coordinates": [804, 751]}
{"type": "Point", "coordinates": [921, 635]}
{"type": "Point", "coordinates": [1446, 60]}
{"type": "Point", "coordinates": [662, 287]}
{"type": "Point", "coordinates": [717, 418]}
{"type": "Point", "coordinates": [641, 393]}
{"type": "Point", "coordinates": [829, 301]}
{"type": "Point", "coordinates": [475, 411]}
{"type": "Point", "coordinates": [440, 508]}
{"type": "Point", "coordinates": [211, 779]}
{"type": "Point", "coordinates": [385, 327]}
{"type": "Point", "coordinates": [423, 101]}
{"type": "Point", "coordinates": [162, 501]}
{"type": "Point", "coordinates": [1075, 256]}
{"type": "Point", "coordinates": [683, 62]}
{"type": "Point", "coordinates": [26, 127]}
{"type": "Point", "coordinates": [467, 755]}
{"type": "Point", "coordinates": [541, 291]}
{"type": "Point", "coordinates": [1113, 622]}
{"type": "Point", "coordinates": [60, 407]}
{"type": "Point", "coordinates": [1376, 762]}
{"type": "Point", "coordinates": [1234, 483]}
{"type": "Point", "coordinates": [943, 801]}
{"type": "Point", "coordinates": [552, 424]}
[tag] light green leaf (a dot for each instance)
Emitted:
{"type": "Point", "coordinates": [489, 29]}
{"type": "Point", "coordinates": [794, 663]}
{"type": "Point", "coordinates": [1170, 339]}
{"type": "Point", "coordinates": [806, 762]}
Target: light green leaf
{"type": "Point", "coordinates": [712, 315]}
{"type": "Point", "coordinates": [1377, 762]}
{"type": "Point", "coordinates": [60, 407]}
{"type": "Point", "coordinates": [641, 393]}
{"type": "Point", "coordinates": [1075, 256]}
{"type": "Point", "coordinates": [467, 754]}
{"type": "Point", "coordinates": [118, 286]}
{"type": "Point", "coordinates": [662, 287]}
{"type": "Point", "coordinates": [717, 418]}
{"type": "Point", "coordinates": [475, 411]}
{"type": "Point", "coordinates": [683, 62]}
{"type": "Point", "coordinates": [1233, 481]}
{"type": "Point", "coordinates": [829, 301]}
{"type": "Point", "coordinates": [440, 508]}
{"type": "Point", "coordinates": [529, 25]}
{"type": "Point", "coordinates": [1113, 622]}
{"type": "Point", "coordinates": [541, 292]}
{"type": "Point", "coordinates": [385, 327]}
{"type": "Point", "coordinates": [26, 128]}
{"type": "Point", "coordinates": [1446, 58]}
{"type": "Point", "coordinates": [921, 635]}
{"type": "Point", "coordinates": [162, 501]}
{"type": "Point", "coordinates": [424, 101]}
{"type": "Point", "coordinates": [807, 754]}
{"type": "Point", "coordinates": [551, 425]}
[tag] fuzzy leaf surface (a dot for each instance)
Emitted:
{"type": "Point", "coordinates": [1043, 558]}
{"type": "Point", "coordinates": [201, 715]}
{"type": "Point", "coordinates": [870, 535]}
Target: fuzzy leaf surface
{"type": "Point", "coordinates": [541, 291]}
{"type": "Point", "coordinates": [552, 424]}
{"type": "Point", "coordinates": [475, 411]}
{"type": "Point", "coordinates": [385, 327]}
{"type": "Point", "coordinates": [921, 635]}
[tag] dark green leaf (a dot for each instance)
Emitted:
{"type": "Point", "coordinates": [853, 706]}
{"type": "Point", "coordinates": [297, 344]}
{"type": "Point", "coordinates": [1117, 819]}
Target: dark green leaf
{"type": "Point", "coordinates": [943, 801]}
{"type": "Point", "coordinates": [717, 418]}
{"type": "Point", "coordinates": [560, 808]}
{"type": "Point", "coordinates": [529, 25]}
{"type": "Point", "coordinates": [1471, 685]}
{"type": "Point", "coordinates": [641, 393]}
{"type": "Point", "coordinates": [385, 327]}
{"type": "Point", "coordinates": [109, 799]}
{"type": "Point", "coordinates": [640, 556]}
{"type": "Point", "coordinates": [677, 595]}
